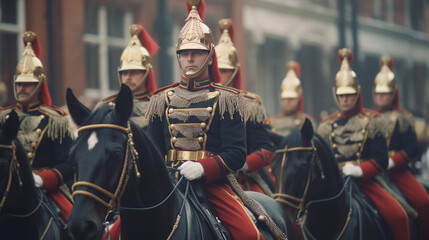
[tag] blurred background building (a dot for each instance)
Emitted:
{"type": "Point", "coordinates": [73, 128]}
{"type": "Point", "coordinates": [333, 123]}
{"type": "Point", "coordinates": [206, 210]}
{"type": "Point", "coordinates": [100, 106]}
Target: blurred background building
{"type": "Point", "coordinates": [82, 41]}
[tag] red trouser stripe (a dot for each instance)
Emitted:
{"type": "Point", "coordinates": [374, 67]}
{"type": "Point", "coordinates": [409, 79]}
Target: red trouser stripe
{"type": "Point", "coordinates": [415, 194]}
{"type": "Point", "coordinates": [232, 212]}
{"type": "Point", "coordinates": [389, 208]}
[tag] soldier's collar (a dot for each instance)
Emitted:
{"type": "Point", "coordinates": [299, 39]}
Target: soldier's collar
{"type": "Point", "coordinates": [140, 95]}
{"type": "Point", "coordinates": [195, 84]}
{"type": "Point", "coordinates": [28, 107]}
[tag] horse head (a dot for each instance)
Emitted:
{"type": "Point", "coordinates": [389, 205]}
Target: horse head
{"type": "Point", "coordinates": [103, 143]}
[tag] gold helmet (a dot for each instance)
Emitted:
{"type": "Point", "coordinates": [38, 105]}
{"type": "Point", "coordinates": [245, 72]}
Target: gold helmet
{"type": "Point", "coordinates": [226, 53]}
{"type": "Point", "coordinates": [385, 79]}
{"type": "Point", "coordinates": [346, 81]}
{"type": "Point", "coordinates": [137, 55]}
{"type": "Point", "coordinates": [195, 35]}
{"type": "Point", "coordinates": [291, 85]}
{"type": "Point", "coordinates": [30, 68]}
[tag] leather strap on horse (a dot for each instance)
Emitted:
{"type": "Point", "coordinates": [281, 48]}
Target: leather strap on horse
{"type": "Point", "coordinates": [255, 208]}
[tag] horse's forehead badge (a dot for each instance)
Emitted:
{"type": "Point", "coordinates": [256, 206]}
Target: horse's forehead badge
{"type": "Point", "coordinates": [92, 140]}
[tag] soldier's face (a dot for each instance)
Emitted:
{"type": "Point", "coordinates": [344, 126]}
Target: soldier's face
{"type": "Point", "coordinates": [132, 77]}
{"type": "Point", "coordinates": [290, 105]}
{"type": "Point", "coordinates": [383, 99]}
{"type": "Point", "coordinates": [191, 61]}
{"type": "Point", "coordinates": [24, 90]}
{"type": "Point", "coordinates": [346, 101]}
{"type": "Point", "coordinates": [226, 75]}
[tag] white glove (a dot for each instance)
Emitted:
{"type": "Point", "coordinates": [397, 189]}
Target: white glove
{"type": "Point", "coordinates": [38, 181]}
{"type": "Point", "coordinates": [352, 170]}
{"type": "Point", "coordinates": [391, 164]}
{"type": "Point", "coordinates": [192, 170]}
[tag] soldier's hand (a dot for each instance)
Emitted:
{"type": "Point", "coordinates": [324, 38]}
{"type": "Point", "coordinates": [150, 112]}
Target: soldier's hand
{"type": "Point", "coordinates": [192, 170]}
{"type": "Point", "coordinates": [391, 164]}
{"type": "Point", "coordinates": [352, 170]}
{"type": "Point", "coordinates": [38, 181]}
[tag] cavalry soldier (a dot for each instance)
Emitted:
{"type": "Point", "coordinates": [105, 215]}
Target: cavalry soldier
{"type": "Point", "coordinates": [135, 70]}
{"type": "Point", "coordinates": [44, 128]}
{"type": "Point", "coordinates": [292, 97]}
{"type": "Point", "coordinates": [401, 141]}
{"type": "Point", "coordinates": [357, 137]}
{"type": "Point", "coordinates": [200, 125]}
{"type": "Point", "coordinates": [260, 150]}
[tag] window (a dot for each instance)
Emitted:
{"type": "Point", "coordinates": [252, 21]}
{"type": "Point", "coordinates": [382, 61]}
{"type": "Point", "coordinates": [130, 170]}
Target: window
{"type": "Point", "coordinates": [11, 26]}
{"type": "Point", "coordinates": [106, 35]}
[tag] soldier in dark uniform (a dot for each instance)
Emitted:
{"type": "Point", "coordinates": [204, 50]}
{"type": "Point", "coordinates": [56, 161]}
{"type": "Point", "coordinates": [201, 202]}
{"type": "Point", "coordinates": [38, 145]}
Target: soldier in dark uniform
{"type": "Point", "coordinates": [357, 136]}
{"type": "Point", "coordinates": [401, 141]}
{"type": "Point", "coordinates": [260, 149]}
{"type": "Point", "coordinates": [200, 125]}
{"type": "Point", "coordinates": [292, 97]}
{"type": "Point", "coordinates": [135, 70]}
{"type": "Point", "coordinates": [44, 128]}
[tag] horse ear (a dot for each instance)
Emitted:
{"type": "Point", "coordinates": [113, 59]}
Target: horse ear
{"type": "Point", "coordinates": [307, 130]}
{"type": "Point", "coordinates": [77, 110]}
{"type": "Point", "coordinates": [124, 103]}
{"type": "Point", "coordinates": [11, 126]}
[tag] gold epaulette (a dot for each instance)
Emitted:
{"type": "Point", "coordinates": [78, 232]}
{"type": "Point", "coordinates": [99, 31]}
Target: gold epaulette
{"type": "Point", "coordinates": [58, 123]}
{"type": "Point", "coordinates": [377, 124]}
{"type": "Point", "coordinates": [256, 109]}
{"type": "Point", "coordinates": [157, 102]}
{"type": "Point", "coordinates": [232, 101]}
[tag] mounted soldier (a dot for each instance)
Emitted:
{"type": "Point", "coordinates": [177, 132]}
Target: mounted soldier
{"type": "Point", "coordinates": [200, 125]}
{"type": "Point", "coordinates": [136, 71]}
{"type": "Point", "coordinates": [260, 149]}
{"type": "Point", "coordinates": [357, 137]}
{"type": "Point", "coordinates": [292, 97]}
{"type": "Point", "coordinates": [44, 128]}
{"type": "Point", "coordinates": [401, 141]}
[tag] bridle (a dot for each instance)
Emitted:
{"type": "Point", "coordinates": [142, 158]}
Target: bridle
{"type": "Point", "coordinates": [293, 201]}
{"type": "Point", "coordinates": [303, 209]}
{"type": "Point", "coordinates": [13, 168]}
{"type": "Point", "coordinates": [131, 156]}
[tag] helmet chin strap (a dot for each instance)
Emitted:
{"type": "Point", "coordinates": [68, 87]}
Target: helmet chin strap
{"type": "Point", "coordinates": [141, 82]}
{"type": "Point", "coordinates": [231, 78]}
{"type": "Point", "coordinates": [32, 96]}
{"type": "Point", "coordinates": [200, 70]}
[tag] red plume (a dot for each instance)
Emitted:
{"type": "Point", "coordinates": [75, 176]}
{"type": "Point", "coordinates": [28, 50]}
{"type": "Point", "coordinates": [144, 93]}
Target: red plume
{"type": "Point", "coordinates": [147, 41]}
{"type": "Point", "coordinates": [45, 96]}
{"type": "Point", "coordinates": [201, 8]}
{"type": "Point", "coordinates": [297, 69]}
{"type": "Point", "coordinates": [35, 43]}
{"type": "Point", "coordinates": [237, 80]}
{"type": "Point", "coordinates": [215, 70]}
{"type": "Point", "coordinates": [345, 53]}
{"type": "Point", "coordinates": [301, 104]}
{"type": "Point", "coordinates": [231, 30]}
{"type": "Point", "coordinates": [150, 82]}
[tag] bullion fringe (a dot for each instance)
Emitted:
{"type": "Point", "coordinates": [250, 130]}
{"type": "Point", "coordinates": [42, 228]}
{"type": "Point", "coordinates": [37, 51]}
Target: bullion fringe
{"type": "Point", "coordinates": [231, 103]}
{"type": "Point", "coordinates": [405, 121]}
{"type": "Point", "coordinates": [156, 106]}
{"type": "Point", "coordinates": [378, 126]}
{"type": "Point", "coordinates": [257, 112]}
{"type": "Point", "coordinates": [58, 127]}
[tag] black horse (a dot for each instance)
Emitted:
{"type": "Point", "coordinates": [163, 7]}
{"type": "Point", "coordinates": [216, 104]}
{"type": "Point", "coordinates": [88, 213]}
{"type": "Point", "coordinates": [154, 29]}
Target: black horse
{"type": "Point", "coordinates": [24, 210]}
{"type": "Point", "coordinates": [318, 202]}
{"type": "Point", "coordinates": [118, 167]}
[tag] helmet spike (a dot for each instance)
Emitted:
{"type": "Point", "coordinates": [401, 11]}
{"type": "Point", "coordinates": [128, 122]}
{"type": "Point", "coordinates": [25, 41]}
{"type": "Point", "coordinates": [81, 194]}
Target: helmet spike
{"type": "Point", "coordinates": [199, 5]}
{"type": "Point", "coordinates": [31, 38]}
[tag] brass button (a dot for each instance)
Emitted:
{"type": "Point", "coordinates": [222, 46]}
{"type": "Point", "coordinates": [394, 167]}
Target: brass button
{"type": "Point", "coordinates": [217, 93]}
{"type": "Point", "coordinates": [203, 125]}
{"type": "Point", "coordinates": [362, 131]}
{"type": "Point", "coordinates": [297, 122]}
{"type": "Point", "coordinates": [170, 93]}
{"type": "Point", "coordinates": [42, 116]}
{"type": "Point", "coordinates": [39, 131]}
{"type": "Point", "coordinates": [332, 134]}
{"type": "Point", "coordinates": [33, 144]}
{"type": "Point", "coordinates": [335, 125]}
{"type": "Point", "coordinates": [334, 145]}
{"type": "Point", "coordinates": [358, 154]}
{"type": "Point", "coordinates": [209, 109]}
{"type": "Point", "coordinates": [200, 139]}
{"type": "Point", "coordinates": [172, 126]}
{"type": "Point", "coordinates": [111, 104]}
{"type": "Point", "coordinates": [360, 144]}
{"type": "Point", "coordinates": [6, 117]}
{"type": "Point", "coordinates": [174, 139]}
{"type": "Point", "coordinates": [30, 155]}
{"type": "Point", "coordinates": [170, 110]}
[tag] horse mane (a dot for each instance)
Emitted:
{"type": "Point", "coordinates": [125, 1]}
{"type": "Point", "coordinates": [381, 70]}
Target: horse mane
{"type": "Point", "coordinates": [327, 158]}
